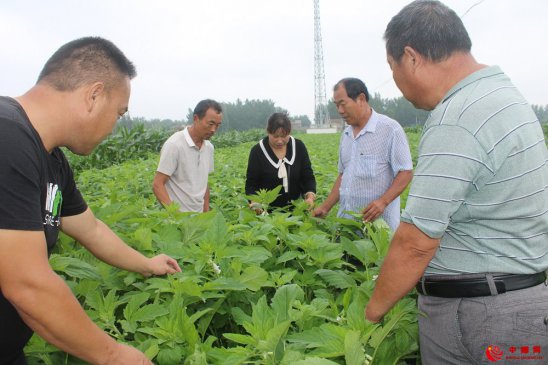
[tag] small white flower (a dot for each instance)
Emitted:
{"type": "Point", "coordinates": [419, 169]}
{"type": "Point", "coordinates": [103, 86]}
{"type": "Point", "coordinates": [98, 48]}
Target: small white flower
{"type": "Point", "coordinates": [215, 267]}
{"type": "Point", "coordinates": [375, 277]}
{"type": "Point", "coordinates": [338, 318]}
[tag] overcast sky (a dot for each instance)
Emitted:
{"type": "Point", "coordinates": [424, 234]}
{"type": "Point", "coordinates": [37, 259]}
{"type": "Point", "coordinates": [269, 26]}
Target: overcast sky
{"type": "Point", "coordinates": [188, 50]}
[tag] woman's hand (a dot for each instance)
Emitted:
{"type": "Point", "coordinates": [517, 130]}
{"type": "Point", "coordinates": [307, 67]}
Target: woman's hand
{"type": "Point", "coordinates": [256, 207]}
{"type": "Point", "coordinates": [309, 198]}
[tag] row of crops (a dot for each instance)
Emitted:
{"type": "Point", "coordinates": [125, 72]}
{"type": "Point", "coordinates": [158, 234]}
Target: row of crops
{"type": "Point", "coordinates": [272, 289]}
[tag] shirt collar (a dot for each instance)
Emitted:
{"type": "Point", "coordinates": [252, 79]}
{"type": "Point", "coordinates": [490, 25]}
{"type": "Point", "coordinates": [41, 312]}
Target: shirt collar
{"type": "Point", "coordinates": [188, 138]}
{"type": "Point", "coordinates": [370, 126]}
{"type": "Point", "coordinates": [473, 77]}
{"type": "Point", "coordinates": [271, 156]}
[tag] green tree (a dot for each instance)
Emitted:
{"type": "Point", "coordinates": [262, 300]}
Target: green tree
{"type": "Point", "coordinates": [249, 114]}
{"type": "Point", "coordinates": [305, 121]}
{"type": "Point", "coordinates": [541, 112]}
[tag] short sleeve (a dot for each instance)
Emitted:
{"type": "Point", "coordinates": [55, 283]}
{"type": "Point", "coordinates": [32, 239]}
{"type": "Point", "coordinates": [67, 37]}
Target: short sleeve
{"type": "Point", "coordinates": [451, 161]}
{"type": "Point", "coordinates": [19, 179]}
{"type": "Point", "coordinates": [400, 158]}
{"type": "Point", "coordinates": [168, 159]}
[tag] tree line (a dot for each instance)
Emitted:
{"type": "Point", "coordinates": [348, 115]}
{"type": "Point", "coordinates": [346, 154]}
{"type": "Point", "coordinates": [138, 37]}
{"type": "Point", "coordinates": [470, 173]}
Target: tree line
{"type": "Point", "coordinates": [252, 114]}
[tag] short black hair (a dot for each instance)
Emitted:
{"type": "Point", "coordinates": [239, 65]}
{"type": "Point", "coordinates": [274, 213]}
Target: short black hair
{"type": "Point", "coordinates": [354, 87]}
{"type": "Point", "coordinates": [201, 108]}
{"type": "Point", "coordinates": [86, 60]}
{"type": "Point", "coordinates": [277, 121]}
{"type": "Point", "coordinates": [429, 27]}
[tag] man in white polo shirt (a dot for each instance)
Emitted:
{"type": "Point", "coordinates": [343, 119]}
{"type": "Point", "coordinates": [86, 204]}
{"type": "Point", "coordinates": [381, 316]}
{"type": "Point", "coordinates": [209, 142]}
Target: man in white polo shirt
{"type": "Point", "coordinates": [186, 160]}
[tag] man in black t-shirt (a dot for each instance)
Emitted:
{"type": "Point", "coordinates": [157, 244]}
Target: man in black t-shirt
{"type": "Point", "coordinates": [82, 90]}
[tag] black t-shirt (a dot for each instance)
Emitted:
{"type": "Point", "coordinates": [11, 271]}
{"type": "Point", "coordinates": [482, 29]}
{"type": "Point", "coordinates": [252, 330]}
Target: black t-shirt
{"type": "Point", "coordinates": [261, 174]}
{"type": "Point", "coordinates": [37, 188]}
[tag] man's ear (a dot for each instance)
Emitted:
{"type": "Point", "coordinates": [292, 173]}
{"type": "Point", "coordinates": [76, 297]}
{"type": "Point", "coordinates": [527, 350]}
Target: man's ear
{"type": "Point", "coordinates": [361, 98]}
{"type": "Point", "coordinates": [412, 57]}
{"type": "Point", "coordinates": [94, 91]}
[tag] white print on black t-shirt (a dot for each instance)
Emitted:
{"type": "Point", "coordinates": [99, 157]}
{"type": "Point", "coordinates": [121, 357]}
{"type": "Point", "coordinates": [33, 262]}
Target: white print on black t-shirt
{"type": "Point", "coordinates": [53, 205]}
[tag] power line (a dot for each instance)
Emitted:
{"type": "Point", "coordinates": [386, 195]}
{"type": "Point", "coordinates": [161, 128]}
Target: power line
{"type": "Point", "coordinates": [470, 8]}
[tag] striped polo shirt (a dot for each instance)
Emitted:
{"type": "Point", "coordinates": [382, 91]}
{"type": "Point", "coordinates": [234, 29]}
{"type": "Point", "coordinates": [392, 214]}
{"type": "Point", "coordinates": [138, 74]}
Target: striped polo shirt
{"type": "Point", "coordinates": [369, 163]}
{"type": "Point", "coordinates": [481, 180]}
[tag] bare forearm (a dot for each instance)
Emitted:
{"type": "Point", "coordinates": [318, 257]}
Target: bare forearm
{"type": "Point", "coordinates": [407, 258]}
{"type": "Point", "coordinates": [206, 200]}
{"type": "Point", "coordinates": [399, 184]}
{"type": "Point", "coordinates": [334, 195]}
{"type": "Point", "coordinates": [51, 310]}
{"type": "Point", "coordinates": [112, 250]}
{"type": "Point", "coordinates": [161, 194]}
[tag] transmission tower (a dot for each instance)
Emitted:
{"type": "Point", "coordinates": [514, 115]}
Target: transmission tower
{"type": "Point", "coordinates": [321, 118]}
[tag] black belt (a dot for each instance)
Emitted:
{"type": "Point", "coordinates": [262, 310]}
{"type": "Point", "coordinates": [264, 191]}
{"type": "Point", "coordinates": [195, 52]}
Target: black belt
{"type": "Point", "coordinates": [478, 286]}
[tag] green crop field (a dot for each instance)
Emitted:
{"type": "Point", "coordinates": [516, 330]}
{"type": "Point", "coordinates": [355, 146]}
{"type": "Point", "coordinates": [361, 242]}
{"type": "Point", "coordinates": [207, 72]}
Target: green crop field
{"type": "Point", "coordinates": [272, 289]}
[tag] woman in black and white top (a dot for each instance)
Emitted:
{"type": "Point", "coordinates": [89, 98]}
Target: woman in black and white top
{"type": "Point", "coordinates": [280, 159]}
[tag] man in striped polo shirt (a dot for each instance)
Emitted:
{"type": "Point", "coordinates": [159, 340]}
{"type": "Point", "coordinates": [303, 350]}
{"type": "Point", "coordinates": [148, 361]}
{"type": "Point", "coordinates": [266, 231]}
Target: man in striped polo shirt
{"type": "Point", "coordinates": [473, 237]}
{"type": "Point", "coordinates": [374, 159]}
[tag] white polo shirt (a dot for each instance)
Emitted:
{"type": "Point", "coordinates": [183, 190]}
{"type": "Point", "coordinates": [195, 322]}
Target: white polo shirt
{"type": "Point", "coordinates": [188, 168]}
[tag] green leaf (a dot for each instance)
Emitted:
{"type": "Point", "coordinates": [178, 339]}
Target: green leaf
{"type": "Point", "coordinates": [338, 279]}
{"type": "Point", "coordinates": [254, 277]}
{"type": "Point", "coordinates": [283, 300]}
{"type": "Point", "coordinates": [170, 356]}
{"type": "Point", "coordinates": [363, 249]}
{"type": "Point", "coordinates": [189, 330]}
{"type": "Point", "coordinates": [290, 357]}
{"type": "Point", "coordinates": [265, 196]}
{"type": "Point", "coordinates": [224, 284]}
{"type": "Point", "coordinates": [187, 287]}
{"type": "Point", "coordinates": [169, 234]}
{"type": "Point", "coordinates": [152, 350]}
{"type": "Point", "coordinates": [243, 339]}
{"type": "Point", "coordinates": [150, 312]}
{"type": "Point", "coordinates": [143, 238]}
{"type": "Point", "coordinates": [287, 256]}
{"type": "Point", "coordinates": [315, 361]}
{"type": "Point", "coordinates": [353, 349]}
{"type": "Point", "coordinates": [73, 267]}
{"type": "Point", "coordinates": [252, 255]}
{"type": "Point", "coordinates": [273, 337]}
{"type": "Point", "coordinates": [134, 303]}
{"type": "Point", "coordinates": [217, 232]}
{"type": "Point", "coordinates": [239, 316]}
{"type": "Point", "coordinates": [262, 319]}
{"type": "Point", "coordinates": [327, 339]}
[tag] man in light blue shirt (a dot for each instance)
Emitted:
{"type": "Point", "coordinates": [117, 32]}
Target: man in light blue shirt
{"type": "Point", "coordinates": [374, 159]}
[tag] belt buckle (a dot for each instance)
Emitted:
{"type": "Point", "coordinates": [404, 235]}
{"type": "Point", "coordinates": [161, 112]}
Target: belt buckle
{"type": "Point", "coordinates": [500, 286]}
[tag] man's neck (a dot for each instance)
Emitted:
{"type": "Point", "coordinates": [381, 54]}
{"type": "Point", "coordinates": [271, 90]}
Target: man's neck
{"type": "Point", "coordinates": [363, 121]}
{"type": "Point", "coordinates": [197, 140]}
{"type": "Point", "coordinates": [46, 120]}
{"type": "Point", "coordinates": [450, 72]}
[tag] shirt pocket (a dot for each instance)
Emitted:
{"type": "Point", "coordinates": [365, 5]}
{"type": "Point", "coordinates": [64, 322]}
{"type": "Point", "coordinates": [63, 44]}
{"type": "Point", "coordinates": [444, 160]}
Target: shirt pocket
{"type": "Point", "coordinates": [366, 166]}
